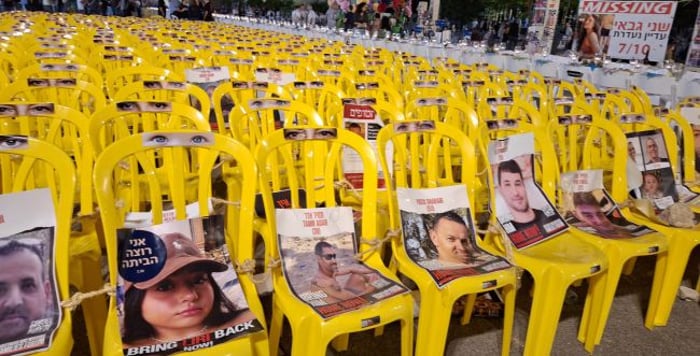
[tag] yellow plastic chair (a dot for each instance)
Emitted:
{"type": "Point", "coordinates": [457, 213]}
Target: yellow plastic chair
{"type": "Point", "coordinates": [682, 241]}
{"type": "Point", "coordinates": [4, 81]}
{"type": "Point", "coordinates": [507, 108]}
{"type": "Point", "coordinates": [122, 119]}
{"type": "Point", "coordinates": [630, 99]}
{"type": "Point", "coordinates": [448, 110]}
{"type": "Point", "coordinates": [68, 130]}
{"type": "Point", "coordinates": [554, 264]}
{"type": "Point", "coordinates": [311, 333]}
{"type": "Point", "coordinates": [253, 121]}
{"type": "Point", "coordinates": [179, 64]}
{"type": "Point", "coordinates": [80, 72]}
{"type": "Point", "coordinates": [586, 141]}
{"type": "Point", "coordinates": [20, 167]}
{"type": "Point", "coordinates": [228, 95]}
{"type": "Point", "coordinates": [106, 63]}
{"type": "Point", "coordinates": [118, 78]}
{"type": "Point", "coordinates": [62, 45]}
{"type": "Point", "coordinates": [82, 96]}
{"type": "Point", "coordinates": [321, 96]}
{"type": "Point", "coordinates": [686, 146]}
{"type": "Point", "coordinates": [414, 154]}
{"type": "Point", "coordinates": [137, 150]}
{"type": "Point", "coordinates": [177, 92]}
{"type": "Point", "coordinates": [9, 64]}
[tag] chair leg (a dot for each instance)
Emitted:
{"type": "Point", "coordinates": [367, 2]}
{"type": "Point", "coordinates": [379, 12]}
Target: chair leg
{"type": "Point", "coordinates": [601, 294]}
{"type": "Point", "coordinates": [311, 343]}
{"type": "Point", "coordinates": [94, 309]}
{"type": "Point", "coordinates": [340, 342]}
{"type": "Point", "coordinates": [468, 309]}
{"type": "Point", "coordinates": [433, 322]}
{"type": "Point", "coordinates": [549, 293]}
{"type": "Point", "coordinates": [261, 346]}
{"type": "Point", "coordinates": [508, 292]}
{"type": "Point", "coordinates": [407, 336]}
{"type": "Point", "coordinates": [629, 266]}
{"type": "Point", "coordinates": [663, 293]}
{"type": "Point", "coordinates": [276, 324]}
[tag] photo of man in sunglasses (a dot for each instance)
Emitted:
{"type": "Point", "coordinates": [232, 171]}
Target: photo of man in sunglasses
{"type": "Point", "coordinates": [329, 276]}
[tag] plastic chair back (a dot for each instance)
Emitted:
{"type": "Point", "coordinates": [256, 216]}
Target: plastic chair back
{"type": "Point", "coordinates": [206, 149]}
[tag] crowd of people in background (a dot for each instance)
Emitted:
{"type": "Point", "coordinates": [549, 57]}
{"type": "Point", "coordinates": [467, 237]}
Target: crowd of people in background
{"type": "Point", "coordinates": [377, 18]}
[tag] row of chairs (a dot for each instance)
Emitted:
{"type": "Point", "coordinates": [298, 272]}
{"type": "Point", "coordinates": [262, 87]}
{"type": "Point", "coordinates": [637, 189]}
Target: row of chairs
{"type": "Point", "coordinates": [487, 110]}
{"type": "Point", "coordinates": [137, 202]}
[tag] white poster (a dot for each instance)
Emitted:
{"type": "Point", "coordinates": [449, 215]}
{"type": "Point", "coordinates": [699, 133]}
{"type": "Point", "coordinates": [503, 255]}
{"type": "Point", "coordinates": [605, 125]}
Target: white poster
{"type": "Point", "coordinates": [693, 60]}
{"type": "Point", "coordinates": [439, 234]}
{"type": "Point", "coordinates": [360, 117]}
{"type": "Point", "coordinates": [631, 29]}
{"type": "Point", "coordinates": [30, 309]}
{"type": "Point", "coordinates": [543, 24]}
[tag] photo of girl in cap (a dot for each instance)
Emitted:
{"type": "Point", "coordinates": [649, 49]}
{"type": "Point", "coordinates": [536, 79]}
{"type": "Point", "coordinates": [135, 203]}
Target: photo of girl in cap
{"type": "Point", "coordinates": [184, 299]}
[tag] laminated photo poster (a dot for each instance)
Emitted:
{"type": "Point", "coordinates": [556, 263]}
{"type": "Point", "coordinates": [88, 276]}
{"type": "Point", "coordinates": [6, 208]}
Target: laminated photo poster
{"type": "Point", "coordinates": [439, 234]}
{"type": "Point", "coordinates": [208, 78]}
{"type": "Point", "coordinates": [649, 160]}
{"type": "Point", "coordinates": [318, 248]}
{"type": "Point", "coordinates": [178, 290]}
{"type": "Point", "coordinates": [588, 206]}
{"type": "Point", "coordinates": [521, 207]}
{"type": "Point", "coordinates": [360, 117]}
{"type": "Point", "coordinates": [30, 310]}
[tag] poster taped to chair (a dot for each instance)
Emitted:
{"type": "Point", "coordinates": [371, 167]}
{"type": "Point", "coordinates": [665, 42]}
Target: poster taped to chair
{"type": "Point", "coordinates": [439, 235]}
{"type": "Point", "coordinates": [29, 303]}
{"type": "Point", "coordinates": [648, 151]}
{"type": "Point", "coordinates": [208, 78]}
{"type": "Point", "coordinates": [521, 207]}
{"type": "Point", "coordinates": [177, 289]}
{"type": "Point", "coordinates": [362, 119]}
{"type": "Point", "coordinates": [318, 248]}
{"type": "Point", "coordinates": [588, 206]}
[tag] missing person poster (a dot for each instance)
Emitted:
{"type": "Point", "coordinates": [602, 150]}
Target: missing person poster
{"type": "Point", "coordinates": [627, 29]}
{"type": "Point", "coordinates": [30, 309]}
{"type": "Point", "coordinates": [360, 117]}
{"type": "Point", "coordinates": [521, 207]}
{"type": "Point", "coordinates": [439, 235]}
{"type": "Point", "coordinates": [318, 248]}
{"type": "Point", "coordinates": [208, 78]}
{"type": "Point", "coordinates": [648, 151]}
{"type": "Point", "coordinates": [274, 75]}
{"type": "Point", "coordinates": [588, 207]}
{"type": "Point", "coordinates": [178, 290]}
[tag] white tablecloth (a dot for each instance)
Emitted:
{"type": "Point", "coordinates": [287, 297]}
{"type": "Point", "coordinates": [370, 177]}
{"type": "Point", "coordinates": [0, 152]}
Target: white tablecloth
{"type": "Point", "coordinates": [656, 81]}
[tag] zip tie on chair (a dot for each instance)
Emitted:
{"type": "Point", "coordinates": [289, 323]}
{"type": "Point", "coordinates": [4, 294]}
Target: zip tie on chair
{"type": "Point", "coordinates": [483, 171]}
{"type": "Point", "coordinates": [224, 201]}
{"type": "Point", "coordinates": [376, 244]}
{"type": "Point", "coordinates": [491, 229]}
{"type": "Point", "coordinates": [77, 298]}
{"type": "Point", "coordinates": [345, 184]}
{"type": "Point", "coordinates": [248, 267]}
{"type": "Point", "coordinates": [223, 160]}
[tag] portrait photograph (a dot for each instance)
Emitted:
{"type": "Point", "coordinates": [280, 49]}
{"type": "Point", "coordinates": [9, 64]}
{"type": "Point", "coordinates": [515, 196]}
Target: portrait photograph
{"type": "Point", "coordinates": [177, 285]}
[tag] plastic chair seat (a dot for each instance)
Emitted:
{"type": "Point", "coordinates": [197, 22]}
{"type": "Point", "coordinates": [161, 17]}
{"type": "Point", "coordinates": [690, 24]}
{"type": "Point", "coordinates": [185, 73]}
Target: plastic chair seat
{"type": "Point", "coordinates": [312, 334]}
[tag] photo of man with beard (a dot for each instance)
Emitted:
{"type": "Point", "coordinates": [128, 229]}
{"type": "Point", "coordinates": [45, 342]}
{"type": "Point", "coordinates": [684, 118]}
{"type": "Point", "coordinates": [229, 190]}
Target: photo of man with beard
{"type": "Point", "coordinates": [25, 290]}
